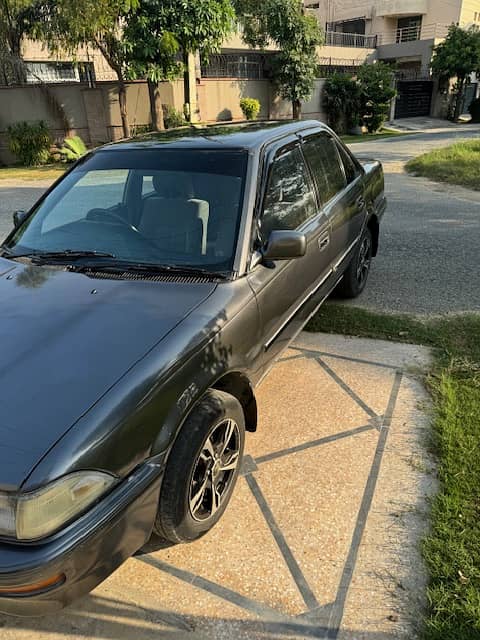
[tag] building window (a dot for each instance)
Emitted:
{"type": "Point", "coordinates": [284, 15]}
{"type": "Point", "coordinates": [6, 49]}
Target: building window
{"type": "Point", "coordinates": [248, 66]}
{"type": "Point", "coordinates": [349, 33]}
{"type": "Point", "coordinates": [51, 72]}
{"type": "Point", "coordinates": [356, 25]}
{"type": "Point", "coordinates": [409, 29]}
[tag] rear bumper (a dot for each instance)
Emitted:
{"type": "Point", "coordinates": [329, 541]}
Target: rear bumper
{"type": "Point", "coordinates": [86, 552]}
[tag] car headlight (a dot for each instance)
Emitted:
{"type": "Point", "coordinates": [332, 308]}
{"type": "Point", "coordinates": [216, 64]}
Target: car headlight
{"type": "Point", "coordinates": [37, 514]}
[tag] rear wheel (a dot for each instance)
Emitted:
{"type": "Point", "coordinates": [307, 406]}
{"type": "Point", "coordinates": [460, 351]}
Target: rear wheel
{"type": "Point", "coordinates": [202, 469]}
{"type": "Point", "coordinates": [356, 276]}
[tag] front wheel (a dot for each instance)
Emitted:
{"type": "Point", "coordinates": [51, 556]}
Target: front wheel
{"type": "Point", "coordinates": [356, 276]}
{"type": "Point", "coordinates": [202, 469]}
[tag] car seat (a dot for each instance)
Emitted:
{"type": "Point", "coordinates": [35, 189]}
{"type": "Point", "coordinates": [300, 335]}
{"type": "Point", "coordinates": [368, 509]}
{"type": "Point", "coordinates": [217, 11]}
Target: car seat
{"type": "Point", "coordinates": [171, 217]}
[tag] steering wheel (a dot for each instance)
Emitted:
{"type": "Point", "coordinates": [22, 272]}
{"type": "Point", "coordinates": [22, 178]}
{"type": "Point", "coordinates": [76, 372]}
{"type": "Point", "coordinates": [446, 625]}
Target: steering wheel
{"type": "Point", "coordinates": [113, 215]}
{"type": "Point", "coordinates": [98, 215]}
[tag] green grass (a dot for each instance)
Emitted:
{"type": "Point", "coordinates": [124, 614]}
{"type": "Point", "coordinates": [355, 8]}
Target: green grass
{"type": "Point", "coordinates": [452, 549]}
{"type": "Point", "coordinates": [457, 164]}
{"type": "Point", "coordinates": [47, 172]}
{"type": "Point", "coordinates": [367, 137]}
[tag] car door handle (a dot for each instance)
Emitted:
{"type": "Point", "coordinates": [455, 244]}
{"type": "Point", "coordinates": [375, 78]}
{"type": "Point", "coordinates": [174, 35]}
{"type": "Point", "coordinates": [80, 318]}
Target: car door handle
{"type": "Point", "coordinates": [324, 241]}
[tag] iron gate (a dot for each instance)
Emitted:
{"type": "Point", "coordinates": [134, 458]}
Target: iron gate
{"type": "Point", "coordinates": [414, 98]}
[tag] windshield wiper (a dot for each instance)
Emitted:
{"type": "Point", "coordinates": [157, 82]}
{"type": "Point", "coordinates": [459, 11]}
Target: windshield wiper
{"type": "Point", "coordinates": [145, 267]}
{"type": "Point", "coordinates": [67, 254]}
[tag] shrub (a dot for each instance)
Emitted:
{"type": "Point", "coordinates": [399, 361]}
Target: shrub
{"type": "Point", "coordinates": [376, 91]}
{"type": "Point", "coordinates": [474, 110]}
{"type": "Point", "coordinates": [250, 108]}
{"type": "Point", "coordinates": [172, 118]}
{"type": "Point", "coordinates": [72, 149]}
{"type": "Point", "coordinates": [30, 142]}
{"type": "Point", "coordinates": [341, 102]}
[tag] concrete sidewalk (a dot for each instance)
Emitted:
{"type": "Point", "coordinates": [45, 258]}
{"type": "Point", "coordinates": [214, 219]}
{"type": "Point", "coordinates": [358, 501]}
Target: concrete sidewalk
{"type": "Point", "coordinates": [431, 125]}
{"type": "Point", "coordinates": [322, 536]}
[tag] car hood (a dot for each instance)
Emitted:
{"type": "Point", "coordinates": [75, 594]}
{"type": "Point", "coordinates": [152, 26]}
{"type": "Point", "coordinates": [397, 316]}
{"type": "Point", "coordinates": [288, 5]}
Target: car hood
{"type": "Point", "coordinates": [65, 340]}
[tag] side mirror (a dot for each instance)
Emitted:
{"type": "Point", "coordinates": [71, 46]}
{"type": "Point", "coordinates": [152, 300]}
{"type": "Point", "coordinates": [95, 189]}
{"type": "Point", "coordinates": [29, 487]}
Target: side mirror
{"type": "Point", "coordinates": [285, 245]}
{"type": "Point", "coordinates": [19, 217]}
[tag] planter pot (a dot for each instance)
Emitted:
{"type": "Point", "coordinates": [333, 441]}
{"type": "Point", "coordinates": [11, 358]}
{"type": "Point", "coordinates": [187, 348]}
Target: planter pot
{"type": "Point", "coordinates": [356, 131]}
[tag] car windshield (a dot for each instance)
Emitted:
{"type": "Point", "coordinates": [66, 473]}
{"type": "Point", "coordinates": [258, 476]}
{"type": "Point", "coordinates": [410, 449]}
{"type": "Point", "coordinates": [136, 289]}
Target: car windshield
{"type": "Point", "coordinates": [177, 207]}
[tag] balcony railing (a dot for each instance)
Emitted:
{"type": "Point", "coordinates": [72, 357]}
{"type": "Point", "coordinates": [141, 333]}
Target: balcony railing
{"type": "Point", "coordinates": [355, 40]}
{"type": "Point", "coordinates": [408, 34]}
{"type": "Point", "coordinates": [412, 34]}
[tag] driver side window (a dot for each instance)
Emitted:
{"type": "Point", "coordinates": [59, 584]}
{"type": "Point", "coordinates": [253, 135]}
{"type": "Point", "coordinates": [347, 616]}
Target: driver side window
{"type": "Point", "coordinates": [289, 198]}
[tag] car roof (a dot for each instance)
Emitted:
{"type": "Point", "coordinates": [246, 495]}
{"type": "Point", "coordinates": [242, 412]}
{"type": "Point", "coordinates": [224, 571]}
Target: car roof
{"type": "Point", "coordinates": [238, 136]}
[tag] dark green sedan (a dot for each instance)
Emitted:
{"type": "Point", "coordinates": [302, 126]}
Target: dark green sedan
{"type": "Point", "coordinates": [143, 298]}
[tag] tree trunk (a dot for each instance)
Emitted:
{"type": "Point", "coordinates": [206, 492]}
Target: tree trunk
{"type": "Point", "coordinates": [459, 99]}
{"type": "Point", "coordinates": [156, 107]}
{"type": "Point", "coordinates": [116, 63]}
{"type": "Point", "coordinates": [122, 99]}
{"type": "Point", "coordinates": [297, 109]}
{"type": "Point", "coordinates": [19, 69]}
{"type": "Point", "coordinates": [186, 87]}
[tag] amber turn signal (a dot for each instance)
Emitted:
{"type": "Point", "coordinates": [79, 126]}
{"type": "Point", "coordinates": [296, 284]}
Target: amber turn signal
{"type": "Point", "coordinates": [35, 587]}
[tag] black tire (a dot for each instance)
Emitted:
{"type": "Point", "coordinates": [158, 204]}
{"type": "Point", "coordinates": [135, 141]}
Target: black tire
{"type": "Point", "coordinates": [355, 277]}
{"type": "Point", "coordinates": [188, 471]}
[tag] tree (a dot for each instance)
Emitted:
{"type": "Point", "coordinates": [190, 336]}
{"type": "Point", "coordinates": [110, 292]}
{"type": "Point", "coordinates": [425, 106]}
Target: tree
{"type": "Point", "coordinates": [341, 100]}
{"type": "Point", "coordinates": [13, 27]}
{"type": "Point", "coordinates": [153, 52]}
{"type": "Point", "coordinates": [297, 37]}
{"type": "Point", "coordinates": [198, 25]}
{"type": "Point", "coordinates": [457, 57]}
{"type": "Point", "coordinates": [162, 30]}
{"type": "Point", "coordinates": [68, 24]}
{"type": "Point", "coordinates": [375, 93]}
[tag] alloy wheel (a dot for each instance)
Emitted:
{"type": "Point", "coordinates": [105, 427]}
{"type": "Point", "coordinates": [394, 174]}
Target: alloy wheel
{"type": "Point", "coordinates": [214, 470]}
{"type": "Point", "coordinates": [364, 260]}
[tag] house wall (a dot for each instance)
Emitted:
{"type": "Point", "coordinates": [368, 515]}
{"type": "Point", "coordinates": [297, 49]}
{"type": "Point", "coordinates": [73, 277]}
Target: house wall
{"type": "Point", "coordinates": [468, 11]}
{"type": "Point", "coordinates": [313, 108]}
{"type": "Point", "coordinates": [219, 99]}
{"type": "Point", "coordinates": [417, 49]}
{"type": "Point", "coordinates": [355, 55]}
{"type": "Point", "coordinates": [94, 114]}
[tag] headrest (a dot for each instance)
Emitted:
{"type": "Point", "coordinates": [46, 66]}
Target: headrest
{"type": "Point", "coordinates": [173, 184]}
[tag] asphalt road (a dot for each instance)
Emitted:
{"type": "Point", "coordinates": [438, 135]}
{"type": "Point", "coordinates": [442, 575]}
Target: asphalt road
{"type": "Point", "coordinates": [429, 261]}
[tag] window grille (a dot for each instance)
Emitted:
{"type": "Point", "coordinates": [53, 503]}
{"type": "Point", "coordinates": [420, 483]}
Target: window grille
{"type": "Point", "coordinates": [49, 72]}
{"type": "Point", "coordinates": [248, 66]}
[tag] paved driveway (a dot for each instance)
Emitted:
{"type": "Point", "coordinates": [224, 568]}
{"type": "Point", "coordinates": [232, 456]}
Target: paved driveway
{"type": "Point", "coordinates": [430, 238]}
{"type": "Point", "coordinates": [321, 538]}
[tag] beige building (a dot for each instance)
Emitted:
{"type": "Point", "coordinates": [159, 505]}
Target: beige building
{"type": "Point", "coordinates": [89, 65]}
{"type": "Point", "coordinates": [402, 32]}
{"type": "Point", "coordinates": [399, 31]}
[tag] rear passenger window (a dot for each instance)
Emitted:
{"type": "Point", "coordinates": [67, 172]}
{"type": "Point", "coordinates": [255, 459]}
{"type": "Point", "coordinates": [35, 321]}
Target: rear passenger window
{"type": "Point", "coordinates": [322, 155]}
{"type": "Point", "coordinates": [351, 170]}
{"type": "Point", "coordinates": [290, 198]}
